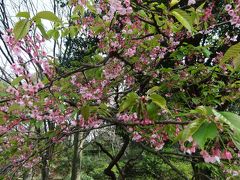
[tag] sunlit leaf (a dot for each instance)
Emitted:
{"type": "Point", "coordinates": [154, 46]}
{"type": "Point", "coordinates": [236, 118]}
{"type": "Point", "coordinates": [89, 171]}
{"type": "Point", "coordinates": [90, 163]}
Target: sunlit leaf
{"type": "Point", "coordinates": [85, 111]}
{"type": "Point", "coordinates": [42, 30]}
{"type": "Point", "coordinates": [233, 53]}
{"type": "Point", "coordinates": [17, 80]}
{"type": "Point", "coordinates": [129, 101]}
{"type": "Point", "coordinates": [14, 107]}
{"type": "Point", "coordinates": [174, 2]}
{"type": "Point", "coordinates": [48, 15]}
{"type": "Point", "coordinates": [205, 132]}
{"type": "Point", "coordinates": [21, 28]}
{"type": "Point", "coordinates": [153, 89]}
{"type": "Point", "coordinates": [184, 18]}
{"type": "Point", "coordinates": [142, 13]}
{"type": "Point", "coordinates": [23, 14]}
{"type": "Point", "coordinates": [190, 130]}
{"type": "Point", "coordinates": [159, 100]}
{"type": "Point", "coordinates": [233, 120]}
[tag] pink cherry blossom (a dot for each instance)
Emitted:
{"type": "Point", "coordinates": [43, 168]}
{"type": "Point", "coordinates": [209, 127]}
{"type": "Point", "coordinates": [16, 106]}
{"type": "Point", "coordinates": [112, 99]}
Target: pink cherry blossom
{"type": "Point", "coordinates": [17, 50]}
{"type": "Point", "coordinates": [136, 137]}
{"type": "Point", "coordinates": [159, 146]}
{"type": "Point", "coordinates": [226, 155]}
{"type": "Point", "coordinates": [228, 7]}
{"type": "Point", "coordinates": [131, 52]}
{"type": "Point", "coordinates": [191, 2]}
{"type": "Point", "coordinates": [210, 158]}
{"type": "Point", "coordinates": [231, 13]}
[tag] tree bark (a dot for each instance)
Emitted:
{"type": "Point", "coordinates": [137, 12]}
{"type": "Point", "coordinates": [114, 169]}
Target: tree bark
{"type": "Point", "coordinates": [80, 154]}
{"type": "Point", "coordinates": [45, 169]}
{"type": "Point", "coordinates": [108, 171]}
{"type": "Point", "coordinates": [75, 159]}
{"type": "Point", "coordinates": [200, 173]}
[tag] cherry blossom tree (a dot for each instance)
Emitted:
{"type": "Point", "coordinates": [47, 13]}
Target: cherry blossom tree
{"type": "Point", "coordinates": [164, 74]}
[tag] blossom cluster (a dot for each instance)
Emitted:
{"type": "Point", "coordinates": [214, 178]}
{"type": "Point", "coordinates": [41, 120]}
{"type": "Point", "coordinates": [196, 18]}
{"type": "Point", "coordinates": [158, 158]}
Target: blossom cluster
{"type": "Point", "coordinates": [234, 14]}
{"type": "Point", "coordinates": [91, 122]}
{"type": "Point", "coordinates": [133, 118]}
{"type": "Point", "coordinates": [157, 138]}
{"type": "Point", "coordinates": [216, 155]}
{"type": "Point", "coordinates": [93, 90]}
{"type": "Point", "coordinates": [117, 6]}
{"type": "Point", "coordinates": [113, 69]}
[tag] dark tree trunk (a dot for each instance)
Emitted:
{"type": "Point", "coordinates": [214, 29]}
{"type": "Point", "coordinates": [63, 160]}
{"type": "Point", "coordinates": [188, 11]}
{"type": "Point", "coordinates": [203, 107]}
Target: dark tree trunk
{"type": "Point", "coordinates": [45, 169]}
{"type": "Point", "coordinates": [75, 159]}
{"type": "Point", "coordinates": [201, 173]}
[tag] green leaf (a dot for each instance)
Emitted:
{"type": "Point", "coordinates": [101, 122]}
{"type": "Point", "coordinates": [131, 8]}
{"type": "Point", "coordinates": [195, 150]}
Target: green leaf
{"type": "Point", "coordinates": [103, 110]}
{"type": "Point", "coordinates": [23, 14]}
{"type": "Point", "coordinates": [205, 132]}
{"type": "Point", "coordinates": [184, 18]}
{"type": "Point", "coordinates": [153, 89]}
{"type": "Point", "coordinates": [48, 15]}
{"type": "Point", "coordinates": [50, 32]}
{"type": "Point", "coordinates": [205, 51]}
{"type": "Point", "coordinates": [200, 8]}
{"type": "Point", "coordinates": [130, 100]}
{"type": "Point", "coordinates": [79, 8]}
{"type": "Point", "coordinates": [159, 100]}
{"type": "Point", "coordinates": [203, 110]}
{"type": "Point", "coordinates": [142, 13]}
{"type": "Point", "coordinates": [98, 29]}
{"type": "Point", "coordinates": [196, 100]}
{"type": "Point", "coordinates": [163, 7]}
{"type": "Point", "coordinates": [15, 107]}
{"type": "Point", "coordinates": [73, 31]}
{"type": "Point", "coordinates": [50, 134]}
{"type": "Point", "coordinates": [190, 130]}
{"type": "Point", "coordinates": [152, 110]}
{"type": "Point", "coordinates": [3, 94]}
{"type": "Point", "coordinates": [236, 62]}
{"type": "Point", "coordinates": [2, 114]}
{"type": "Point", "coordinates": [75, 17]}
{"type": "Point", "coordinates": [232, 53]}
{"type": "Point", "coordinates": [85, 111]}
{"type": "Point", "coordinates": [233, 120]}
{"type": "Point", "coordinates": [235, 136]}
{"type": "Point", "coordinates": [42, 30]}
{"type": "Point", "coordinates": [91, 7]}
{"type": "Point", "coordinates": [62, 107]}
{"type": "Point", "coordinates": [17, 80]}
{"type": "Point", "coordinates": [53, 33]}
{"type": "Point", "coordinates": [21, 29]}
{"type": "Point", "coordinates": [174, 2]}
